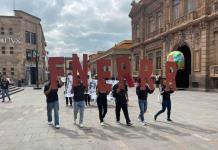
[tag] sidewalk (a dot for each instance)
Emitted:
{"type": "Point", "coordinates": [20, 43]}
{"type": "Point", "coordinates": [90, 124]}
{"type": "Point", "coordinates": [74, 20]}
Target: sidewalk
{"type": "Point", "coordinates": [23, 125]}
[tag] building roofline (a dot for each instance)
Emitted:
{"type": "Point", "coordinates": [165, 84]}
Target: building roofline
{"type": "Point", "coordinates": [27, 14]}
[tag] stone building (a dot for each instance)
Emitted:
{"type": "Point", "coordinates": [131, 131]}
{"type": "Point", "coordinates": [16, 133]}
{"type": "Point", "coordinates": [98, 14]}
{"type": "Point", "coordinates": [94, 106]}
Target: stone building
{"type": "Point", "coordinates": [120, 49]}
{"type": "Point", "coordinates": [21, 38]}
{"type": "Point", "coordinates": [189, 26]}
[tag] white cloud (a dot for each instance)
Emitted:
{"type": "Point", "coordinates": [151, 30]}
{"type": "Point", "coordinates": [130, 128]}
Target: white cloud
{"type": "Point", "coordinates": [78, 25]}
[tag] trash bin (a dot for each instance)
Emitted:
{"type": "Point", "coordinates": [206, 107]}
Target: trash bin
{"type": "Point", "coordinates": [19, 83]}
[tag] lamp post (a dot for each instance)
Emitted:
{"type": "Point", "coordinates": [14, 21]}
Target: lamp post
{"type": "Point", "coordinates": [36, 54]}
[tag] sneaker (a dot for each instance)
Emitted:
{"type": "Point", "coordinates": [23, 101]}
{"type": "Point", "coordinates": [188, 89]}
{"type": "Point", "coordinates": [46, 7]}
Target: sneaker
{"type": "Point", "coordinates": [74, 121]}
{"type": "Point", "coordinates": [49, 123]}
{"type": "Point", "coordinates": [169, 119]}
{"type": "Point", "coordinates": [155, 117]}
{"type": "Point", "coordinates": [118, 122]}
{"type": "Point", "coordinates": [102, 123]}
{"type": "Point", "coordinates": [139, 120]}
{"type": "Point", "coordinates": [129, 124]}
{"type": "Point", "coordinates": [57, 126]}
{"type": "Point", "coordinates": [81, 125]}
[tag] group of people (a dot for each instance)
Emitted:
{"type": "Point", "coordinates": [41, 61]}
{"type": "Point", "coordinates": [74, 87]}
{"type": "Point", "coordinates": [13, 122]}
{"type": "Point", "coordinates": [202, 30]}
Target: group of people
{"type": "Point", "coordinates": [77, 95]}
{"type": "Point", "coordinates": [4, 88]}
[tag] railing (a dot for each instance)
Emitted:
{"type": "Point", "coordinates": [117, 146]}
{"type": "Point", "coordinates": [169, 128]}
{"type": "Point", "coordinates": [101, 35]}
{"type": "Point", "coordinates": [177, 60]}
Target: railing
{"type": "Point", "coordinates": [214, 71]}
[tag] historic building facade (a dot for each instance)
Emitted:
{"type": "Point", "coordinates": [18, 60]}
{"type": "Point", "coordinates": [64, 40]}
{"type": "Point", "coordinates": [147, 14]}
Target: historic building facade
{"type": "Point", "coordinates": [119, 50]}
{"type": "Point", "coordinates": [189, 26]}
{"type": "Point", "coordinates": [22, 42]}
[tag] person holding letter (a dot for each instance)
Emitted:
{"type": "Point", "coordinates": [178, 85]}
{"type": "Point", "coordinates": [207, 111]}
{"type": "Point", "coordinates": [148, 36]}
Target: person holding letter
{"type": "Point", "coordinates": [142, 93]}
{"type": "Point", "coordinates": [166, 103]}
{"type": "Point", "coordinates": [79, 101]}
{"type": "Point", "coordinates": [121, 100]}
{"type": "Point", "coordinates": [52, 101]}
{"type": "Point", "coordinates": [102, 104]}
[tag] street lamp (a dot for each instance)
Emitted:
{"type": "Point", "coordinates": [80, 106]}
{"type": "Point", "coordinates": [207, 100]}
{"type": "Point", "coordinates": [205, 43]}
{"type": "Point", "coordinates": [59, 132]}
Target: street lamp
{"type": "Point", "coordinates": [36, 55]}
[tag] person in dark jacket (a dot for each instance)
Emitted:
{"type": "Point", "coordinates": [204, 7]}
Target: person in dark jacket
{"type": "Point", "coordinates": [79, 101]}
{"type": "Point", "coordinates": [166, 103]}
{"type": "Point", "coordinates": [5, 89]}
{"type": "Point", "coordinates": [142, 93]}
{"type": "Point", "coordinates": [102, 104]}
{"type": "Point", "coordinates": [120, 92]}
{"type": "Point", "coordinates": [52, 102]}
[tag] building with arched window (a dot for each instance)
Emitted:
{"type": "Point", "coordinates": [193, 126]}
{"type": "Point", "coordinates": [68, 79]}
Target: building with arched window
{"type": "Point", "coordinates": [188, 26]}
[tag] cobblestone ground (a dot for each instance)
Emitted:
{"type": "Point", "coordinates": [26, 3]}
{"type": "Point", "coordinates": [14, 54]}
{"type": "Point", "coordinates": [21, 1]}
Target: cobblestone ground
{"type": "Point", "coordinates": [23, 125]}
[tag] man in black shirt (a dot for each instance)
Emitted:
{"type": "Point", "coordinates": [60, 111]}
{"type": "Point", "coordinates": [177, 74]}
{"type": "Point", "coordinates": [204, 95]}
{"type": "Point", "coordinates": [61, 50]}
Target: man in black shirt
{"type": "Point", "coordinates": [52, 102]}
{"type": "Point", "coordinates": [166, 103]}
{"type": "Point", "coordinates": [5, 89]}
{"type": "Point", "coordinates": [121, 100]}
{"type": "Point", "coordinates": [142, 93]}
{"type": "Point", "coordinates": [79, 101]}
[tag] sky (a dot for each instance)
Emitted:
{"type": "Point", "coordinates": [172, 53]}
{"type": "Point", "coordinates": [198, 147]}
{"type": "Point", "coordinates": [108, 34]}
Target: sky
{"type": "Point", "coordinates": [77, 26]}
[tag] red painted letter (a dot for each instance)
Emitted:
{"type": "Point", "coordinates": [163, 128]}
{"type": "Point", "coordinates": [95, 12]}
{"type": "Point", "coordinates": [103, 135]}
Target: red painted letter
{"type": "Point", "coordinates": [146, 72]}
{"type": "Point", "coordinates": [56, 68]}
{"type": "Point", "coordinates": [171, 70]}
{"type": "Point", "coordinates": [83, 73]}
{"type": "Point", "coordinates": [124, 71]}
{"type": "Point", "coordinates": [102, 86]}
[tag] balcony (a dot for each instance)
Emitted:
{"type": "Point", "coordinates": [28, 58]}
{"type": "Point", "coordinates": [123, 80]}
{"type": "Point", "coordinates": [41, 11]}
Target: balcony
{"type": "Point", "coordinates": [214, 71]}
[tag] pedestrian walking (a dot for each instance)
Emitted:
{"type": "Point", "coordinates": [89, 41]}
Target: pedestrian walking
{"type": "Point", "coordinates": [52, 102]}
{"type": "Point", "coordinates": [68, 89]}
{"type": "Point", "coordinates": [142, 93]}
{"type": "Point", "coordinates": [79, 101]}
{"type": "Point", "coordinates": [166, 100]}
{"type": "Point", "coordinates": [157, 80]}
{"type": "Point", "coordinates": [102, 104]}
{"type": "Point", "coordinates": [120, 92]}
{"type": "Point", "coordinates": [5, 89]}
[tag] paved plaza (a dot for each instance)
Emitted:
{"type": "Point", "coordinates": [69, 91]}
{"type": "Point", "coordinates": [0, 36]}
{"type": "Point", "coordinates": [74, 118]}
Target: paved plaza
{"type": "Point", "coordinates": [23, 125]}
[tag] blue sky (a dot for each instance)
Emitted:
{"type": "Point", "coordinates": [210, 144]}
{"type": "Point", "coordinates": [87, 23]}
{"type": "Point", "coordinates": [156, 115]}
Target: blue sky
{"type": "Point", "coordinates": [77, 26]}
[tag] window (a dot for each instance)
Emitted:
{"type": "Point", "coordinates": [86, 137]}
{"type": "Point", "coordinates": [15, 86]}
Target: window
{"type": "Point", "coordinates": [158, 60]}
{"type": "Point", "coordinates": [3, 50]}
{"type": "Point", "coordinates": [192, 5]}
{"type": "Point", "coordinates": [176, 9]}
{"type": "Point", "coordinates": [151, 24]}
{"type": "Point", "coordinates": [10, 31]}
{"type": "Point", "coordinates": [27, 37]}
{"type": "Point", "coordinates": [70, 65]}
{"type": "Point", "coordinates": [4, 71]}
{"type": "Point", "coordinates": [2, 31]}
{"type": "Point", "coordinates": [12, 71]}
{"type": "Point", "coordinates": [159, 19]}
{"type": "Point", "coordinates": [33, 38]}
{"type": "Point", "coordinates": [137, 31]}
{"type": "Point", "coordinates": [29, 54]}
{"type": "Point", "coordinates": [197, 61]}
{"type": "Point", "coordinates": [136, 63]}
{"type": "Point", "coordinates": [11, 50]}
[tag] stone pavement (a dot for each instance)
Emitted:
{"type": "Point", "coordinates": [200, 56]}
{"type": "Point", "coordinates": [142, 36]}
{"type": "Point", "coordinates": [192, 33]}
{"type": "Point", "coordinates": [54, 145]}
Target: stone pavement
{"type": "Point", "coordinates": [23, 125]}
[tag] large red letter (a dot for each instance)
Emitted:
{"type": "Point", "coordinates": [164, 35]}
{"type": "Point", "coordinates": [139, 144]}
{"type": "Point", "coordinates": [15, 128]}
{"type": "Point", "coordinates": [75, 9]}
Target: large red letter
{"type": "Point", "coordinates": [56, 68]}
{"type": "Point", "coordinates": [171, 70]}
{"type": "Point", "coordinates": [124, 71]}
{"type": "Point", "coordinates": [83, 73]}
{"type": "Point", "coordinates": [102, 75]}
{"type": "Point", "coordinates": [146, 72]}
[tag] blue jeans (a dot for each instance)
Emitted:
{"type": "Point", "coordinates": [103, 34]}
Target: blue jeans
{"type": "Point", "coordinates": [166, 104]}
{"type": "Point", "coordinates": [79, 107]}
{"type": "Point", "coordinates": [55, 106]}
{"type": "Point", "coordinates": [143, 109]}
{"type": "Point", "coordinates": [5, 92]}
